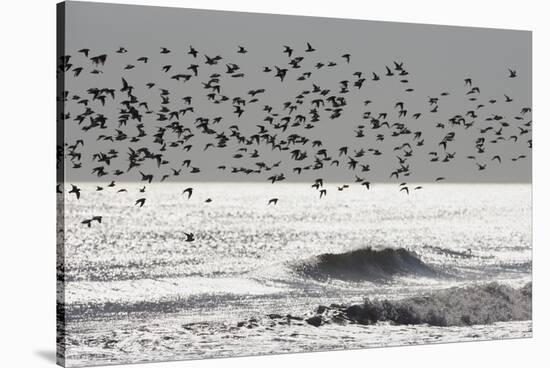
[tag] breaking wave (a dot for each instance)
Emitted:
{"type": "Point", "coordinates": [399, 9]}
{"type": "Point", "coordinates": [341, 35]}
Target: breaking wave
{"type": "Point", "coordinates": [458, 306]}
{"type": "Point", "coordinates": [365, 264]}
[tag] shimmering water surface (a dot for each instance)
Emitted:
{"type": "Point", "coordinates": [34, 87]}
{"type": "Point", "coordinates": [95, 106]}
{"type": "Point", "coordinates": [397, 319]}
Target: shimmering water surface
{"type": "Point", "coordinates": [137, 291]}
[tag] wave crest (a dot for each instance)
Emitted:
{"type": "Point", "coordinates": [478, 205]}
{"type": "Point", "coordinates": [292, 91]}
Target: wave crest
{"type": "Point", "coordinates": [458, 306]}
{"type": "Point", "coordinates": [365, 264]}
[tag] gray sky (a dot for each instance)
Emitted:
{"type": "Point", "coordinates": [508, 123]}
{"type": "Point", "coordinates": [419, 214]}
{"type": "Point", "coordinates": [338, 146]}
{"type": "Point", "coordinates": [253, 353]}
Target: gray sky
{"type": "Point", "coordinates": [438, 59]}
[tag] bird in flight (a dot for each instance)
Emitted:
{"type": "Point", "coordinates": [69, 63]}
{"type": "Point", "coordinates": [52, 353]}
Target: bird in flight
{"type": "Point", "coordinates": [88, 222]}
{"type": "Point", "coordinates": [192, 52]}
{"type": "Point", "coordinates": [189, 192]}
{"type": "Point", "coordinates": [146, 177]}
{"type": "Point", "coordinates": [140, 202]}
{"type": "Point", "coordinates": [75, 190]}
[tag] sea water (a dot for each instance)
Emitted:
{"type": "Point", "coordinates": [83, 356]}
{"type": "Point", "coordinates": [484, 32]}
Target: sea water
{"type": "Point", "coordinates": [135, 290]}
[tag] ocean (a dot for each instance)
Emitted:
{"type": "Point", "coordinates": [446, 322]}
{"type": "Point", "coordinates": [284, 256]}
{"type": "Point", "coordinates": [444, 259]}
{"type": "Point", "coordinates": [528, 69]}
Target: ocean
{"type": "Point", "coordinates": [256, 274]}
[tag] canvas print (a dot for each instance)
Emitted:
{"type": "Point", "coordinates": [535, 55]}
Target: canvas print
{"type": "Point", "coordinates": [235, 184]}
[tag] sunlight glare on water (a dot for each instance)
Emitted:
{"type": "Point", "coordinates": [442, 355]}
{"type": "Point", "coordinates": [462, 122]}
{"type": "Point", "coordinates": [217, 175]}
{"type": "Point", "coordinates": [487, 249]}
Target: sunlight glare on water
{"type": "Point", "coordinates": [240, 264]}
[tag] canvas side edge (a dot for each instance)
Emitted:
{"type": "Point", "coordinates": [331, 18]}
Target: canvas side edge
{"type": "Point", "coordinates": [60, 181]}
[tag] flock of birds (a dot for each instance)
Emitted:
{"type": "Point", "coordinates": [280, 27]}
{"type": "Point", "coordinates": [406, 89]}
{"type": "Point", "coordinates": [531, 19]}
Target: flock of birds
{"type": "Point", "coordinates": [146, 130]}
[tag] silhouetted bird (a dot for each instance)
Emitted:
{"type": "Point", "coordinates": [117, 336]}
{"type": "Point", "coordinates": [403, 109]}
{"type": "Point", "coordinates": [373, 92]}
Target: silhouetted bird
{"type": "Point", "coordinates": [189, 192]}
{"type": "Point", "coordinates": [75, 190]}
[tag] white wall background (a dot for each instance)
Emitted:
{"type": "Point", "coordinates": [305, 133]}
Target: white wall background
{"type": "Point", "coordinates": [27, 164]}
